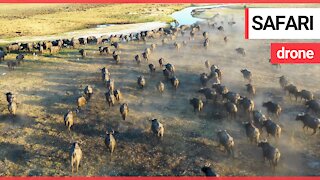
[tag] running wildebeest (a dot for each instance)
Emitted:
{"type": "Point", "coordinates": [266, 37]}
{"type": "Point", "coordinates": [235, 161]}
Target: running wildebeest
{"type": "Point", "coordinates": [273, 108]}
{"type": "Point", "coordinates": [117, 94]}
{"type": "Point", "coordinates": [207, 170]}
{"type": "Point", "coordinates": [226, 141]}
{"type": "Point", "coordinates": [152, 68]}
{"type": "Point", "coordinates": [110, 141]}
{"type": "Point", "coordinates": [292, 90]}
{"type": "Point", "coordinates": [110, 98]}
{"type": "Point", "coordinates": [157, 128]}
{"type": "Point", "coordinates": [175, 82]}
{"type": "Point", "coordinates": [68, 119]}
{"type": "Point", "coordinates": [137, 59]}
{"type": "Point", "coordinates": [160, 87]}
{"type": "Point", "coordinates": [75, 156]}
{"type": "Point", "coordinates": [141, 81]}
{"type": "Point", "coordinates": [10, 97]}
{"type": "Point", "coordinates": [270, 153]}
{"type": "Point", "coordinates": [252, 132]}
{"type": "Point", "coordinates": [231, 109]}
{"type": "Point", "coordinates": [197, 104]}
{"type": "Point", "coordinates": [247, 74]}
{"type": "Point", "coordinates": [305, 95]}
{"type": "Point", "coordinates": [283, 81]}
{"type": "Point", "coordinates": [88, 91]}
{"type": "Point", "coordinates": [272, 128]}
{"type": "Point", "coordinates": [83, 53]}
{"type": "Point", "coordinates": [124, 110]}
{"type": "Point", "coordinates": [313, 105]}
{"type": "Point", "coordinates": [309, 122]}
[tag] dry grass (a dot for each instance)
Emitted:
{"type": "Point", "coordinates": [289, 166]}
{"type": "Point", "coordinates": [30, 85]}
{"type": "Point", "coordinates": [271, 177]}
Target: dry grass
{"type": "Point", "coordinates": [47, 19]}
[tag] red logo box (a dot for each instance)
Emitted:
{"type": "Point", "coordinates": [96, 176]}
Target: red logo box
{"type": "Point", "coordinates": [295, 53]}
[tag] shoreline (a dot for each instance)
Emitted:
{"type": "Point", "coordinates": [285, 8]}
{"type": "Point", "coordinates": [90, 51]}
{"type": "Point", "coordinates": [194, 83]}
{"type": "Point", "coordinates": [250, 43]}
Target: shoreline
{"type": "Point", "coordinates": [98, 31]}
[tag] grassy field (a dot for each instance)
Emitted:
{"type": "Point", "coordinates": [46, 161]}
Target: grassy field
{"type": "Point", "coordinates": [46, 19]}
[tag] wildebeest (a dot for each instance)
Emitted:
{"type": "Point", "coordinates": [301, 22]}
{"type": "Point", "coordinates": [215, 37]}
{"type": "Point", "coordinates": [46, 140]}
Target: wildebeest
{"type": "Point", "coordinates": [141, 81]}
{"type": "Point", "coordinates": [145, 56]}
{"type": "Point", "coordinates": [161, 62]}
{"type": "Point", "coordinates": [309, 122]}
{"type": "Point", "coordinates": [124, 110]}
{"type": "Point", "coordinates": [110, 84]}
{"type": "Point", "coordinates": [117, 94]}
{"type": "Point", "coordinates": [152, 68]}
{"type": "Point", "coordinates": [251, 90]}
{"type": "Point", "coordinates": [110, 141]}
{"type": "Point", "coordinates": [75, 156]}
{"type": "Point", "coordinates": [220, 28]}
{"type": "Point", "coordinates": [83, 53]}
{"type": "Point", "coordinates": [247, 74]}
{"type": "Point", "coordinates": [10, 97]}
{"type": "Point", "coordinates": [252, 132]}
{"type": "Point", "coordinates": [153, 47]}
{"type": "Point", "coordinates": [177, 45]}
{"type": "Point", "coordinates": [232, 97]}
{"type": "Point", "coordinates": [204, 79]}
{"type": "Point", "coordinates": [11, 64]}
{"type": "Point", "coordinates": [92, 40]}
{"type": "Point", "coordinates": [272, 128]}
{"type": "Point", "coordinates": [226, 141]}
{"type": "Point", "coordinates": [160, 87]}
{"type": "Point", "coordinates": [314, 106]}
{"type": "Point", "coordinates": [270, 153]}
{"type": "Point", "coordinates": [54, 49]}
{"type": "Point", "coordinates": [110, 98]}
{"type": "Point", "coordinates": [2, 55]}
{"type": "Point", "coordinates": [207, 170]}
{"type": "Point", "coordinates": [157, 128]}
{"type": "Point", "coordinates": [68, 119]}
{"type": "Point", "coordinates": [137, 59]}
{"type": "Point", "coordinates": [170, 69]}
{"type": "Point", "coordinates": [272, 108]}
{"type": "Point", "coordinates": [241, 51]}
{"type": "Point", "coordinates": [283, 81]}
{"type": "Point", "coordinates": [220, 89]}
{"type": "Point", "coordinates": [305, 95]}
{"type": "Point", "coordinates": [83, 41]}
{"type": "Point", "coordinates": [258, 119]}
{"type": "Point", "coordinates": [105, 74]}
{"type": "Point", "coordinates": [247, 104]}
{"type": "Point", "coordinates": [20, 57]}
{"type": "Point", "coordinates": [197, 104]}
{"type": "Point", "coordinates": [12, 108]}
{"type": "Point", "coordinates": [104, 49]}
{"type": "Point", "coordinates": [231, 109]}
{"type": "Point", "coordinates": [88, 91]}
{"type": "Point", "coordinates": [206, 43]}
{"type": "Point", "coordinates": [116, 57]}
{"type": "Point", "coordinates": [225, 39]}
{"type": "Point", "coordinates": [292, 90]}
{"type": "Point", "coordinates": [175, 82]}
{"type": "Point", "coordinates": [13, 47]}
{"type": "Point", "coordinates": [210, 94]}
{"type": "Point", "coordinates": [81, 102]}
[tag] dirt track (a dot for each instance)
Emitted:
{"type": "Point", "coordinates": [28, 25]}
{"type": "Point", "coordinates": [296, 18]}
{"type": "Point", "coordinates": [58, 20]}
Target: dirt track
{"type": "Point", "coordinates": [36, 142]}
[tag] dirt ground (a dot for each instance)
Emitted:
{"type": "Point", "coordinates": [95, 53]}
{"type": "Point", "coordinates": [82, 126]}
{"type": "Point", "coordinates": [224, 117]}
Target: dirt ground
{"type": "Point", "coordinates": [37, 143]}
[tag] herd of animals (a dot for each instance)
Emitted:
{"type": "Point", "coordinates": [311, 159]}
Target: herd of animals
{"type": "Point", "coordinates": [210, 85]}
